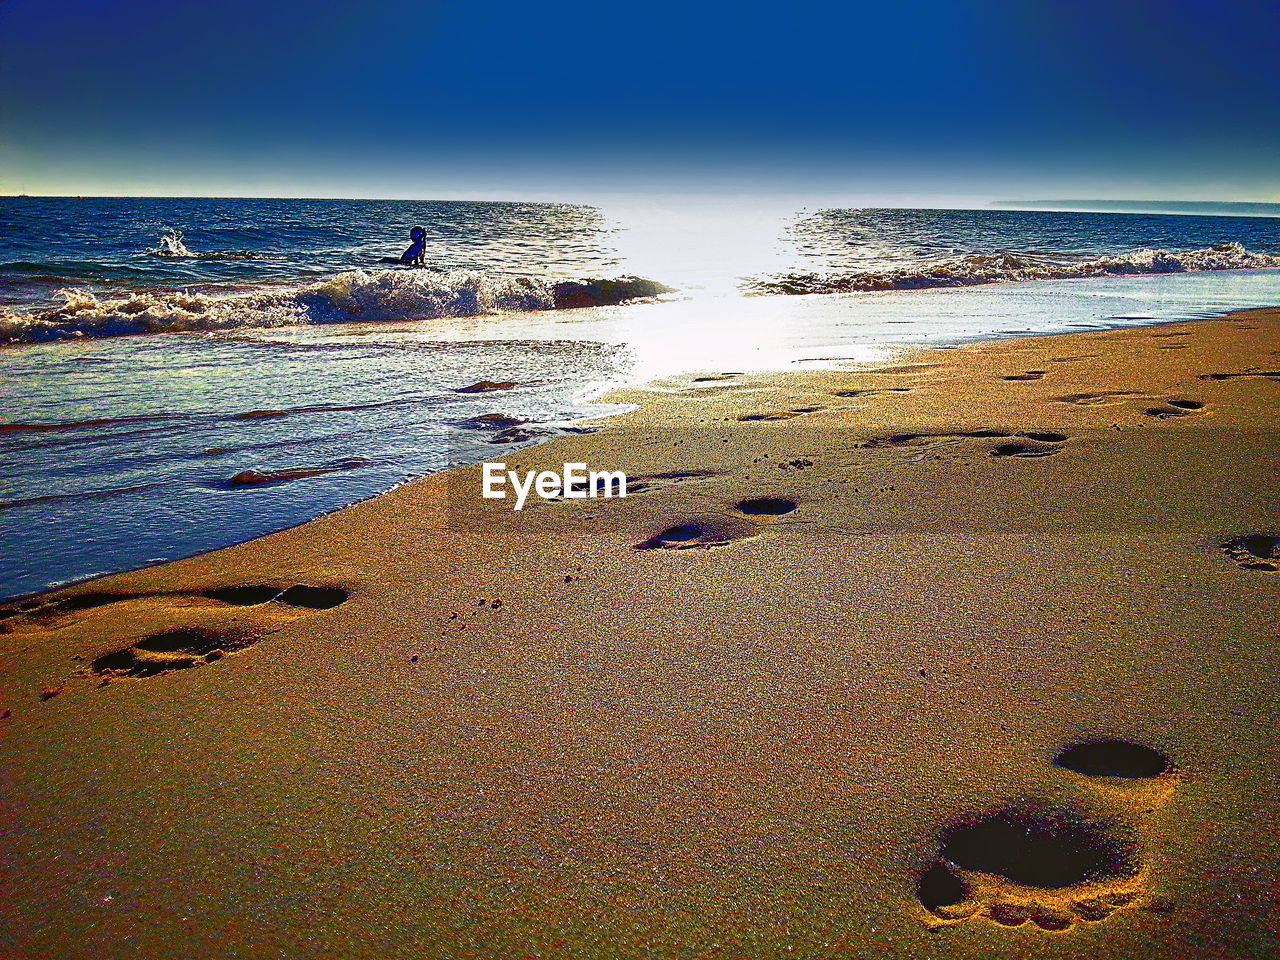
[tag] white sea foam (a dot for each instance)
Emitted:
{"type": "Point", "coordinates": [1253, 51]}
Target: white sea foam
{"type": "Point", "coordinates": [401, 295]}
{"type": "Point", "coordinates": [421, 294]}
{"type": "Point", "coordinates": [171, 245]}
{"type": "Point", "coordinates": [973, 269]}
{"type": "Point", "coordinates": [353, 296]}
{"type": "Point", "coordinates": [84, 314]}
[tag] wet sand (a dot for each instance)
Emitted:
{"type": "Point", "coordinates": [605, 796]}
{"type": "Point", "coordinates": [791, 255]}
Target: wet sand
{"type": "Point", "coordinates": [969, 655]}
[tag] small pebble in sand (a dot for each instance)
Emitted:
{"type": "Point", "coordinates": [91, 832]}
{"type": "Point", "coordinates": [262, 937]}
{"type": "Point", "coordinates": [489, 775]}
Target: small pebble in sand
{"type": "Point", "coordinates": [48, 693]}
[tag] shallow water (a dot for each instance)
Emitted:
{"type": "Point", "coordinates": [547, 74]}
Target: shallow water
{"type": "Point", "coordinates": [119, 451]}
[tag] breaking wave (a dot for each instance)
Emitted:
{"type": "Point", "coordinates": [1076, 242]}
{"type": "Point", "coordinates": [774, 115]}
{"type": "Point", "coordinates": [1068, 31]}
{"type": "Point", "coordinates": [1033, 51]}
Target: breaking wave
{"type": "Point", "coordinates": [981, 268]}
{"type": "Point", "coordinates": [354, 296]}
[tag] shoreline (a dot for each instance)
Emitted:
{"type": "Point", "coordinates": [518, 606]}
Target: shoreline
{"type": "Point", "coordinates": [515, 733]}
{"type": "Point", "coordinates": [600, 394]}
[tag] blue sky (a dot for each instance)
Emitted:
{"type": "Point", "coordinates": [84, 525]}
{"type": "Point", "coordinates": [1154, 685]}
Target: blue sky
{"type": "Point", "coordinates": [907, 101]}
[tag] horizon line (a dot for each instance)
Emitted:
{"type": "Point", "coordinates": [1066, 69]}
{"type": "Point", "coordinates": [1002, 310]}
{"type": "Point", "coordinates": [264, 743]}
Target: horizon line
{"type": "Point", "coordinates": [1064, 205]}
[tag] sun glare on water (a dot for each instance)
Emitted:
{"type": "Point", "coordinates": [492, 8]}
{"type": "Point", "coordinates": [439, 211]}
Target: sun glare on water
{"type": "Point", "coordinates": [703, 245]}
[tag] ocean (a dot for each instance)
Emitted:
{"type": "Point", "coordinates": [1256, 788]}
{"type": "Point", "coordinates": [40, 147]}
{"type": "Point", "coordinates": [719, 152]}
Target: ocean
{"type": "Point", "coordinates": [183, 374]}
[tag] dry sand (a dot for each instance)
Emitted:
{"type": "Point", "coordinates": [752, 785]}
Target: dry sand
{"type": "Point", "coordinates": [839, 733]}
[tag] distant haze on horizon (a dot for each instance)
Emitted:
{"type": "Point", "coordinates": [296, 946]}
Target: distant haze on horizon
{"type": "Point", "coordinates": [916, 104]}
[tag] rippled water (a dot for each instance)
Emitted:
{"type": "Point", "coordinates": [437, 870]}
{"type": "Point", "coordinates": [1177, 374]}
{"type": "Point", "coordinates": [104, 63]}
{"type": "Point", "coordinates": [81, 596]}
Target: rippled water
{"type": "Point", "coordinates": [874, 240]}
{"type": "Point", "coordinates": [105, 244]}
{"type": "Point", "coordinates": [304, 375]}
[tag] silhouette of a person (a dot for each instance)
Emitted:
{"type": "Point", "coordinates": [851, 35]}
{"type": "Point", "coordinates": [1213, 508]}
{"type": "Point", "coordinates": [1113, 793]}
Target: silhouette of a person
{"type": "Point", "coordinates": [416, 255]}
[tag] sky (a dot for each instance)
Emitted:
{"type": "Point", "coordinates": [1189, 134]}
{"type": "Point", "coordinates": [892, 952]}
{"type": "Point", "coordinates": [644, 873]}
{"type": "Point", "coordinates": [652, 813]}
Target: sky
{"type": "Point", "coordinates": [909, 102]}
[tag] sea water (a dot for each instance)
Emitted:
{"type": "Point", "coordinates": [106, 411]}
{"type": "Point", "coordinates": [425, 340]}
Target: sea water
{"type": "Point", "coordinates": [180, 375]}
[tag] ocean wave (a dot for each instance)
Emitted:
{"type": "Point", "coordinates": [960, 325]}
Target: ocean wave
{"type": "Point", "coordinates": [47, 427]}
{"type": "Point", "coordinates": [983, 268]}
{"type": "Point", "coordinates": [354, 296]}
{"type": "Point", "coordinates": [264, 478]}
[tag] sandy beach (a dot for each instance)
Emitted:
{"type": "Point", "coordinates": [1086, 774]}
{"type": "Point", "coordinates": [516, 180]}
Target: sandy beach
{"type": "Point", "coordinates": [972, 654]}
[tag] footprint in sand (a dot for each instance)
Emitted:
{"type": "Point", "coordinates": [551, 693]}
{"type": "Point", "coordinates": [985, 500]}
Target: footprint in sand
{"type": "Point", "coordinates": [765, 506]}
{"type": "Point", "coordinates": [1032, 444]}
{"type": "Point", "coordinates": [1246, 375]}
{"type": "Point", "coordinates": [38, 612]}
{"type": "Point", "coordinates": [780, 414]}
{"type": "Point", "coordinates": [1105, 398]}
{"type": "Point", "coordinates": [1165, 410]}
{"type": "Point", "coordinates": [718, 377]}
{"type": "Point", "coordinates": [171, 650]}
{"type": "Point", "coordinates": [1178, 407]}
{"type": "Point", "coordinates": [872, 391]}
{"type": "Point", "coordinates": [186, 647]}
{"type": "Point", "coordinates": [299, 595]}
{"type": "Point", "coordinates": [718, 531]}
{"type": "Point", "coordinates": [1027, 443]}
{"type": "Point", "coordinates": [1114, 758]}
{"type": "Point", "coordinates": [1255, 551]}
{"type": "Point", "coordinates": [163, 647]}
{"type": "Point", "coordinates": [700, 533]}
{"type": "Point", "coordinates": [1052, 866]}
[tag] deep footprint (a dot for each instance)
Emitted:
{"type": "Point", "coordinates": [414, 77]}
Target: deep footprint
{"type": "Point", "coordinates": [1114, 758]}
{"type": "Point", "coordinates": [1255, 551]}
{"type": "Point", "coordinates": [314, 598]}
{"type": "Point", "coordinates": [299, 595]}
{"type": "Point", "coordinates": [248, 596]}
{"type": "Point", "coordinates": [1045, 847]}
{"type": "Point", "coordinates": [939, 887]}
{"type": "Point", "coordinates": [700, 533]}
{"type": "Point", "coordinates": [766, 506]}
{"type": "Point", "coordinates": [171, 650]}
{"type": "Point", "coordinates": [1049, 866]}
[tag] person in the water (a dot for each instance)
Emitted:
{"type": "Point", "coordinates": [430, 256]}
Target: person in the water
{"type": "Point", "coordinates": [416, 255]}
